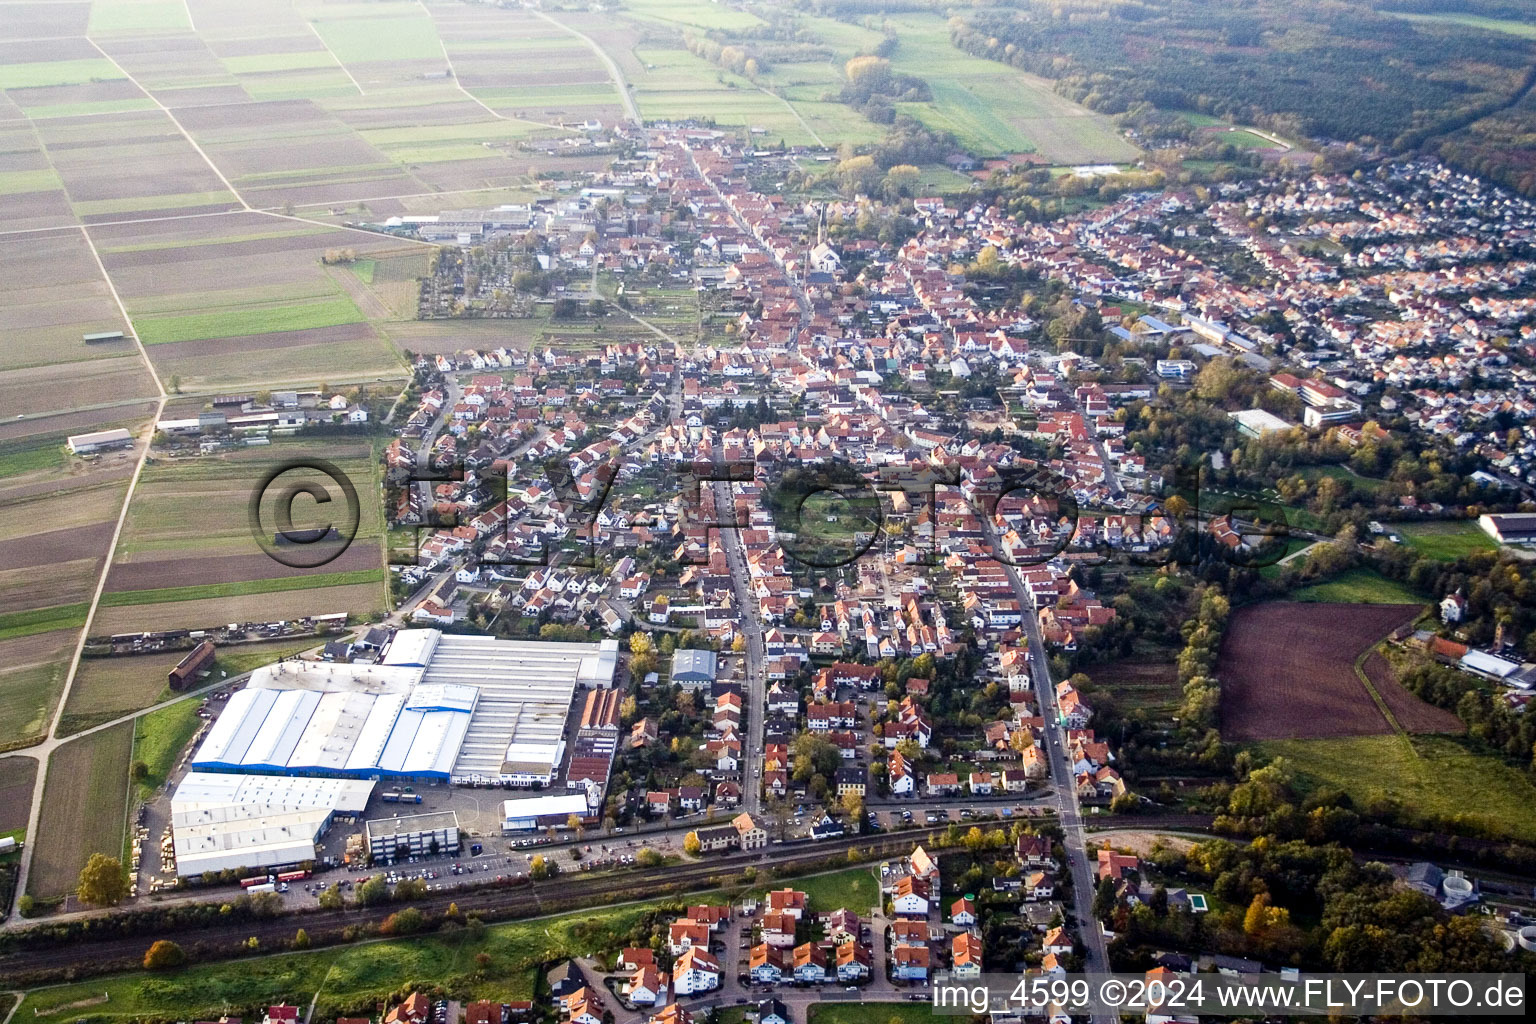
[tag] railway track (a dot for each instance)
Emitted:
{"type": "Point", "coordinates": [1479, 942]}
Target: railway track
{"type": "Point", "coordinates": [107, 949]}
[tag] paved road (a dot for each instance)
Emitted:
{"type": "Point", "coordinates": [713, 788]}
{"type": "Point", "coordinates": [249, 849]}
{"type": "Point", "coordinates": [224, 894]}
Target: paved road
{"type": "Point", "coordinates": [631, 111]}
{"type": "Point", "coordinates": [1069, 811]}
{"type": "Point", "coordinates": [756, 696]}
{"type": "Point", "coordinates": [1111, 478]}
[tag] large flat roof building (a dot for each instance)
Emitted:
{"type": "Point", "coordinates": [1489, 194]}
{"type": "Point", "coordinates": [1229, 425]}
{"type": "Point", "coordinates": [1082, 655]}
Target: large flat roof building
{"type": "Point", "coordinates": [538, 811]}
{"type": "Point", "coordinates": [1510, 528]}
{"type": "Point", "coordinates": [466, 709]}
{"type": "Point", "coordinates": [99, 440]}
{"type": "Point", "coordinates": [224, 822]}
{"type": "Point", "coordinates": [526, 694]}
{"type": "Point", "coordinates": [413, 835]}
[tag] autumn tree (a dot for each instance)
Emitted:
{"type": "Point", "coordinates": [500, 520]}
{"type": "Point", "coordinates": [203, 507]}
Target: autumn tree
{"type": "Point", "coordinates": [102, 883]}
{"type": "Point", "coordinates": [163, 955]}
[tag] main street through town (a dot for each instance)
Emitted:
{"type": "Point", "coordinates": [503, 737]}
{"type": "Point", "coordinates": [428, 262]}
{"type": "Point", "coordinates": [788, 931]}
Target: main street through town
{"type": "Point", "coordinates": [1069, 811]}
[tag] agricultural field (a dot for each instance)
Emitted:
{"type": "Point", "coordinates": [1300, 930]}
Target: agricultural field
{"type": "Point", "coordinates": [1508, 26]}
{"type": "Point", "coordinates": [84, 809]}
{"type": "Point", "coordinates": [52, 293]}
{"type": "Point", "coordinates": [524, 66]}
{"type": "Point", "coordinates": [994, 109]}
{"type": "Point", "coordinates": [60, 517]}
{"type": "Point", "coordinates": [17, 775]}
{"type": "Point", "coordinates": [32, 679]}
{"type": "Point", "coordinates": [1432, 775]}
{"type": "Point", "coordinates": [170, 572]}
{"type": "Point", "coordinates": [1409, 713]}
{"type": "Point", "coordinates": [246, 300]}
{"type": "Point", "coordinates": [1445, 541]}
{"type": "Point", "coordinates": [1288, 672]}
{"type": "Point", "coordinates": [1150, 682]}
{"type": "Point", "coordinates": [673, 84]}
{"type": "Point", "coordinates": [108, 688]}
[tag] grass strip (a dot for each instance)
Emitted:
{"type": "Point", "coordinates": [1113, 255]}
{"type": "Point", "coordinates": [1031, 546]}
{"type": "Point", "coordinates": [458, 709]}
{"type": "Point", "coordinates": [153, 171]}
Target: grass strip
{"type": "Point", "coordinates": [242, 588]}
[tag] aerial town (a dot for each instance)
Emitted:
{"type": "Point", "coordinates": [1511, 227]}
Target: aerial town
{"type": "Point", "coordinates": [774, 586]}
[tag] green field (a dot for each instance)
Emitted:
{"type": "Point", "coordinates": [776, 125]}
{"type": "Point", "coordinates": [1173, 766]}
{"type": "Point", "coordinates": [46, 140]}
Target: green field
{"type": "Point", "coordinates": [43, 179]}
{"type": "Point", "coordinates": [84, 807]}
{"type": "Point", "coordinates": [1243, 139]}
{"type": "Point", "coordinates": [1292, 545]}
{"type": "Point", "coordinates": [1431, 774]}
{"type": "Point", "coordinates": [138, 16]}
{"type": "Point", "coordinates": [1359, 586]}
{"type": "Point", "coordinates": [240, 588]}
{"type": "Point", "coordinates": [41, 453]}
{"type": "Point", "coordinates": [348, 976]}
{"type": "Point", "coordinates": [172, 201]}
{"type": "Point", "coordinates": [333, 312]}
{"type": "Point", "coordinates": [46, 110]}
{"type": "Point", "coordinates": [358, 36]}
{"type": "Point", "coordinates": [41, 620]}
{"type": "Point", "coordinates": [57, 72]}
{"type": "Point", "coordinates": [1374, 485]}
{"type": "Point", "coordinates": [1525, 29]}
{"type": "Point", "coordinates": [675, 84]}
{"type": "Point", "coordinates": [691, 12]}
{"type": "Point", "coordinates": [159, 738]}
{"type": "Point", "coordinates": [854, 888]}
{"type": "Point", "coordinates": [234, 661]}
{"type": "Point", "coordinates": [1445, 541]}
{"type": "Point", "coordinates": [994, 109]}
{"type": "Point", "coordinates": [263, 62]}
{"type": "Point", "coordinates": [869, 1013]}
{"type": "Point", "coordinates": [28, 691]}
{"type": "Point", "coordinates": [1200, 120]}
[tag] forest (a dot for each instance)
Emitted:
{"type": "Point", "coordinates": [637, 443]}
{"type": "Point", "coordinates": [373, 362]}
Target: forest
{"type": "Point", "coordinates": [1344, 71]}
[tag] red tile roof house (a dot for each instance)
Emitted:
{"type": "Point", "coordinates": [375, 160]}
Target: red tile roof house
{"type": "Point", "coordinates": [414, 1010]}
{"type": "Point", "coordinates": [1114, 865]}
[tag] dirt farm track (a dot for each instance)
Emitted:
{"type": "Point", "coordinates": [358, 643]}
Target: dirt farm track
{"type": "Point", "coordinates": [1287, 671]}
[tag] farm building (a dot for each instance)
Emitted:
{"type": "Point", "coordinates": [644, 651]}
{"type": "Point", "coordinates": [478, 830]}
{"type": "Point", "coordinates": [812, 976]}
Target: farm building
{"type": "Point", "coordinates": [534, 812]}
{"type": "Point", "coordinates": [99, 441]}
{"type": "Point", "coordinates": [1516, 528]}
{"type": "Point", "coordinates": [413, 835]}
{"type": "Point", "coordinates": [465, 709]}
{"type": "Point", "coordinates": [187, 670]}
{"type": "Point", "coordinates": [223, 822]}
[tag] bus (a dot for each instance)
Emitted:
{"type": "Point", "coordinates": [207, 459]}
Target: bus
{"type": "Point", "coordinates": [246, 883]}
{"type": "Point", "coordinates": [293, 876]}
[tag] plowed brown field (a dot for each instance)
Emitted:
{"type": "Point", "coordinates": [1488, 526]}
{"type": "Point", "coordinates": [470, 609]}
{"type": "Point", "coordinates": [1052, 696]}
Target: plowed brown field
{"type": "Point", "coordinates": [1287, 671]}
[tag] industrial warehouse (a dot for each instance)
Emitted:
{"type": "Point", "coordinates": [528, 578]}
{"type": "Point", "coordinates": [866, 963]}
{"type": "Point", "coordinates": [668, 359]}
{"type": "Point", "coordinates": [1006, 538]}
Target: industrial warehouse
{"type": "Point", "coordinates": [465, 709]}
{"type": "Point", "coordinates": [229, 822]}
{"type": "Point", "coordinates": [303, 743]}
